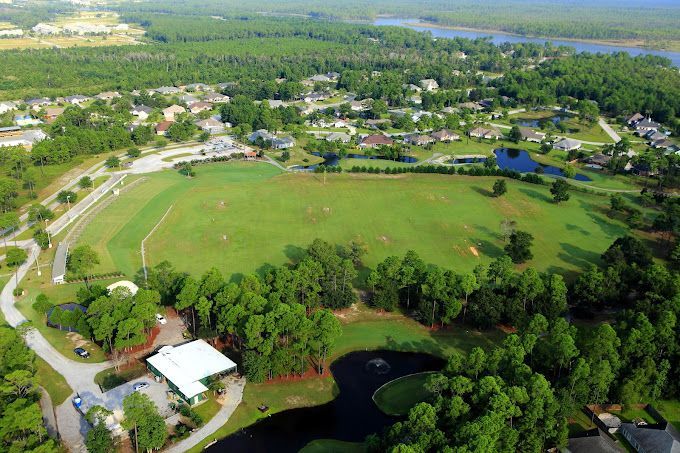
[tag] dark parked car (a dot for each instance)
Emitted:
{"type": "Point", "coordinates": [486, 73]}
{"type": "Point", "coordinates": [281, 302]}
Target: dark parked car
{"type": "Point", "coordinates": [80, 352]}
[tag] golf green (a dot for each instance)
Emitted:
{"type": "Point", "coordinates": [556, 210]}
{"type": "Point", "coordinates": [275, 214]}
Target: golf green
{"type": "Point", "coordinates": [243, 217]}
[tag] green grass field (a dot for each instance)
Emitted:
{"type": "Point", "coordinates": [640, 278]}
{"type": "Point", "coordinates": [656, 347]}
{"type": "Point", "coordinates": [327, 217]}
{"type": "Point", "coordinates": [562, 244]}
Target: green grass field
{"type": "Point", "coordinates": [244, 217]}
{"type": "Point", "coordinates": [398, 396]}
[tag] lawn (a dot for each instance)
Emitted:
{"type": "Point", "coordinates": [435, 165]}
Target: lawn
{"type": "Point", "coordinates": [670, 409]}
{"type": "Point", "coordinates": [110, 378]}
{"type": "Point", "coordinates": [279, 396]}
{"type": "Point", "coordinates": [400, 395]}
{"type": "Point", "coordinates": [247, 216]}
{"type": "Point", "coordinates": [53, 382]}
{"type": "Point", "coordinates": [208, 408]}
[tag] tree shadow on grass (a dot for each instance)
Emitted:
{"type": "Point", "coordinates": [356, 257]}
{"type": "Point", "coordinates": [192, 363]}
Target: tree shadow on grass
{"type": "Point", "coordinates": [483, 192]}
{"type": "Point", "coordinates": [294, 253]}
{"type": "Point", "coordinates": [578, 229]}
{"type": "Point", "coordinates": [488, 248]}
{"type": "Point", "coordinates": [428, 346]}
{"type": "Point", "coordinates": [536, 195]}
{"type": "Point", "coordinates": [578, 256]}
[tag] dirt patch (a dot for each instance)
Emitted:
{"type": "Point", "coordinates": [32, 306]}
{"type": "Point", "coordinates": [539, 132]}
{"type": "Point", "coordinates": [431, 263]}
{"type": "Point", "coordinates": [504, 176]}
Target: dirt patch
{"type": "Point", "coordinates": [384, 239]}
{"type": "Point", "coordinates": [296, 400]}
{"type": "Point", "coordinates": [474, 251]}
{"type": "Point", "coordinates": [77, 339]}
{"type": "Point", "coordinates": [327, 211]}
{"type": "Point", "coordinates": [221, 204]}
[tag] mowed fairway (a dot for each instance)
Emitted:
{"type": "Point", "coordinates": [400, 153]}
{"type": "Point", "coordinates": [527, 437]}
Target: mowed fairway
{"type": "Point", "coordinates": [241, 217]}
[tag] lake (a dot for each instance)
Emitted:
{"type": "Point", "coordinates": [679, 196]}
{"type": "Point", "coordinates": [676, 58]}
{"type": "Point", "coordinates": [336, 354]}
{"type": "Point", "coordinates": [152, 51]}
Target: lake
{"type": "Point", "coordinates": [351, 416]}
{"type": "Point", "coordinates": [499, 38]}
{"type": "Point", "coordinates": [520, 160]}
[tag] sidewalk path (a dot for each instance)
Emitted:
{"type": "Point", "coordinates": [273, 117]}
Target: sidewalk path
{"type": "Point", "coordinates": [608, 129]}
{"type": "Point", "coordinates": [234, 395]}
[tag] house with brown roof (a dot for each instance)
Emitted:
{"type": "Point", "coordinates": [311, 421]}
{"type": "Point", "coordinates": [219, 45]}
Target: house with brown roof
{"type": "Point", "coordinates": [530, 135]}
{"type": "Point", "coordinates": [486, 133]}
{"type": "Point", "coordinates": [198, 107]}
{"type": "Point", "coordinates": [163, 126]}
{"type": "Point", "coordinates": [419, 140]}
{"type": "Point", "coordinates": [170, 112]}
{"type": "Point", "coordinates": [52, 113]}
{"type": "Point", "coordinates": [445, 135]}
{"type": "Point", "coordinates": [373, 141]}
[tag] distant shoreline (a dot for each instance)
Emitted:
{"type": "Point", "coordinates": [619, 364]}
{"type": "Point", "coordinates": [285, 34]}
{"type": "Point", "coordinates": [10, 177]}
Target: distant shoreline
{"type": "Point", "coordinates": [674, 45]}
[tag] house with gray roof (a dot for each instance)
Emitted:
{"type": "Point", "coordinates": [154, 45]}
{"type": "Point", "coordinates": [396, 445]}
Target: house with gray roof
{"type": "Point", "coordinates": [660, 437]}
{"type": "Point", "coordinates": [530, 135]}
{"type": "Point", "coordinates": [593, 441]}
{"type": "Point", "coordinates": [567, 144]}
{"type": "Point", "coordinates": [260, 134]}
{"type": "Point", "coordinates": [167, 90]}
{"type": "Point", "coordinates": [283, 142]}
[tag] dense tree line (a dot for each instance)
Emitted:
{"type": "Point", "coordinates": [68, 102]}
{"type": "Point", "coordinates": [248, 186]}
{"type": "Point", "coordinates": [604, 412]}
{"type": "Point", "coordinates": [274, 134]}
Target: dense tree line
{"type": "Point", "coordinates": [278, 323]}
{"type": "Point", "coordinates": [518, 396]}
{"type": "Point", "coordinates": [21, 423]}
{"type": "Point", "coordinates": [550, 18]}
{"type": "Point", "coordinates": [619, 83]}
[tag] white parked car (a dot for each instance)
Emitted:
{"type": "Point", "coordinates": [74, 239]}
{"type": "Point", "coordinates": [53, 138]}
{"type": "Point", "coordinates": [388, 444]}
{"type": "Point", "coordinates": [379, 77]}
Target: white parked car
{"type": "Point", "coordinates": [161, 319]}
{"type": "Point", "coordinates": [140, 386]}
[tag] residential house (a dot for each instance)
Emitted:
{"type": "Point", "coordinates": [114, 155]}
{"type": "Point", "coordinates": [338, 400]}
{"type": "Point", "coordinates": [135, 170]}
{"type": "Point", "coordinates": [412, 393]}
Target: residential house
{"type": "Point", "coordinates": [141, 111]}
{"type": "Point", "coordinates": [52, 113]}
{"type": "Point", "coordinates": [598, 160]}
{"type": "Point", "coordinates": [567, 144]}
{"type": "Point", "coordinates": [7, 106]}
{"type": "Point", "coordinates": [473, 106]}
{"type": "Point", "coordinates": [216, 98]}
{"type": "Point", "coordinates": [315, 97]}
{"type": "Point", "coordinates": [660, 437]}
{"type": "Point", "coordinates": [486, 133]}
{"type": "Point", "coordinates": [634, 119]}
{"type": "Point", "coordinates": [419, 140]}
{"type": "Point", "coordinates": [375, 123]}
{"type": "Point", "coordinates": [260, 134]}
{"type": "Point", "coordinates": [357, 106]}
{"type": "Point", "coordinates": [415, 99]}
{"type": "Point", "coordinates": [319, 78]}
{"type": "Point", "coordinates": [338, 137]}
{"type": "Point", "coordinates": [283, 142]}
{"type": "Point", "coordinates": [38, 103]}
{"type": "Point", "coordinates": [445, 135]}
{"type": "Point", "coordinates": [198, 107]}
{"type": "Point", "coordinates": [170, 112]}
{"type": "Point", "coordinates": [198, 87]}
{"type": "Point", "coordinates": [77, 99]}
{"type": "Point", "coordinates": [108, 95]}
{"type": "Point", "coordinates": [530, 135]}
{"type": "Point", "coordinates": [663, 143]}
{"type": "Point", "coordinates": [188, 99]}
{"type": "Point", "coordinates": [373, 141]}
{"type": "Point", "coordinates": [275, 103]}
{"type": "Point", "coordinates": [211, 125]}
{"type": "Point", "coordinates": [429, 84]}
{"type": "Point", "coordinates": [250, 155]}
{"type": "Point", "coordinates": [411, 87]}
{"type": "Point", "coordinates": [646, 125]}
{"type": "Point", "coordinates": [167, 90]}
{"type": "Point", "coordinates": [188, 368]}
{"type": "Point", "coordinates": [163, 126]}
{"type": "Point", "coordinates": [593, 441]}
{"type": "Point", "coordinates": [653, 136]}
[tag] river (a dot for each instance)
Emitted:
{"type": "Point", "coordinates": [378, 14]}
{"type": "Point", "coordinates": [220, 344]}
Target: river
{"type": "Point", "coordinates": [499, 38]}
{"type": "Point", "coordinates": [351, 416]}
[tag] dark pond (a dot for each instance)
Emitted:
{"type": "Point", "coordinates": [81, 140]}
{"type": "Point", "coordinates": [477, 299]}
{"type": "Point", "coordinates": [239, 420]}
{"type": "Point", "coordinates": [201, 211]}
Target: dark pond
{"type": "Point", "coordinates": [351, 416]}
{"type": "Point", "coordinates": [520, 160]}
{"type": "Point", "coordinates": [537, 122]}
{"type": "Point", "coordinates": [332, 159]}
{"type": "Point", "coordinates": [469, 160]}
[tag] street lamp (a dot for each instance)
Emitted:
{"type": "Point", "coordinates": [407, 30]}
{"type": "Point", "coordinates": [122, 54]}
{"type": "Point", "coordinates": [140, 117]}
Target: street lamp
{"type": "Point", "coordinates": [49, 237]}
{"type": "Point", "coordinates": [68, 203]}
